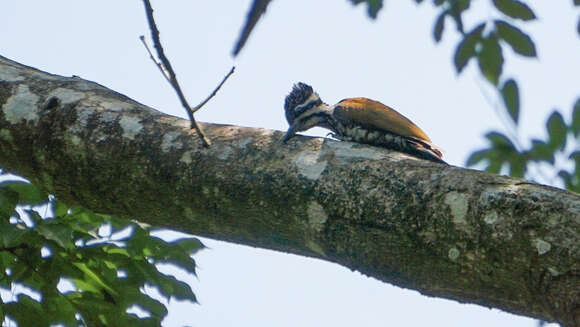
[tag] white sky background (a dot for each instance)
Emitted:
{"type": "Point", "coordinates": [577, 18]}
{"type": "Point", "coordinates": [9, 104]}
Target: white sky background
{"type": "Point", "coordinates": [337, 49]}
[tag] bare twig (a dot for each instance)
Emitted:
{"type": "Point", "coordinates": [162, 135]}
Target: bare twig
{"type": "Point", "coordinates": [157, 63]}
{"type": "Point", "coordinates": [196, 108]}
{"type": "Point", "coordinates": [167, 70]}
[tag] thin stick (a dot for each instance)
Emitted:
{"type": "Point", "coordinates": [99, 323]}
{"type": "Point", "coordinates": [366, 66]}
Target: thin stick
{"type": "Point", "coordinates": [155, 61]}
{"type": "Point", "coordinates": [167, 70]}
{"type": "Point", "coordinates": [196, 108]}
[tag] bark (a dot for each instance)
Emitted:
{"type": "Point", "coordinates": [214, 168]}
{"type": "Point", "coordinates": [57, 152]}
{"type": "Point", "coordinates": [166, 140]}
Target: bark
{"type": "Point", "coordinates": [445, 231]}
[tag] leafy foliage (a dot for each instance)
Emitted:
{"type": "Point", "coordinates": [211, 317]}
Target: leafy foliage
{"type": "Point", "coordinates": [502, 153]}
{"type": "Point", "coordinates": [107, 271]}
{"type": "Point", "coordinates": [515, 9]}
{"type": "Point", "coordinates": [467, 47]}
{"type": "Point", "coordinates": [518, 40]}
{"type": "Point", "coordinates": [490, 59]}
{"type": "Point", "coordinates": [511, 98]}
{"type": "Point", "coordinates": [373, 6]}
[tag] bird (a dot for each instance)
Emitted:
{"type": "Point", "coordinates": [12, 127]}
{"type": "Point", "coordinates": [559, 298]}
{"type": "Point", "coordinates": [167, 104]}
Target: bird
{"type": "Point", "coordinates": [360, 120]}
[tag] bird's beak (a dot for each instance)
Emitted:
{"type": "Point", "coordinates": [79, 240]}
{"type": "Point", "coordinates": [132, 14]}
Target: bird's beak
{"type": "Point", "coordinates": [289, 133]}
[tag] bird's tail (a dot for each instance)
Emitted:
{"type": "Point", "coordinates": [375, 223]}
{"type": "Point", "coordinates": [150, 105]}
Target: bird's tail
{"type": "Point", "coordinates": [426, 150]}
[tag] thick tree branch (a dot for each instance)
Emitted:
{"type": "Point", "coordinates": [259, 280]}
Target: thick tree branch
{"type": "Point", "coordinates": [444, 231]}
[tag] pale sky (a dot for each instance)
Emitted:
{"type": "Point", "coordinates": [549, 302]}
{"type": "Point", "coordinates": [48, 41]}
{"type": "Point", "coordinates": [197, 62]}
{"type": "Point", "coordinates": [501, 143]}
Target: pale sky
{"type": "Point", "coordinates": [337, 49]}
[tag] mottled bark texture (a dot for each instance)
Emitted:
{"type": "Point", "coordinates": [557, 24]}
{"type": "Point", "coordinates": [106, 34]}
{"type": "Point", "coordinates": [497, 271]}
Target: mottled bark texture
{"type": "Point", "coordinates": [444, 231]}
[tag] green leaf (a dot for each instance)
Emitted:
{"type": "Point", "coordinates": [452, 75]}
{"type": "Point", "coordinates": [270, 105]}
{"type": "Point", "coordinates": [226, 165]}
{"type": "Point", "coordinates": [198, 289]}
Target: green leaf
{"type": "Point", "coordinates": [188, 245]}
{"type": "Point", "coordinates": [439, 26]}
{"type": "Point", "coordinates": [153, 306]}
{"type": "Point", "coordinates": [58, 309]}
{"type": "Point", "coordinates": [477, 157]}
{"type": "Point", "coordinates": [511, 98]}
{"type": "Point", "coordinates": [27, 193]}
{"type": "Point", "coordinates": [515, 9]}
{"type": "Point", "coordinates": [500, 141]}
{"type": "Point", "coordinates": [8, 203]}
{"type": "Point", "coordinates": [501, 152]}
{"type": "Point", "coordinates": [12, 236]}
{"type": "Point", "coordinates": [26, 311]}
{"type": "Point", "coordinates": [519, 41]}
{"type": "Point", "coordinates": [541, 151]}
{"type": "Point", "coordinates": [556, 130]}
{"type": "Point", "coordinates": [456, 8]}
{"type": "Point", "coordinates": [490, 59]}
{"type": "Point", "coordinates": [373, 6]}
{"type": "Point", "coordinates": [575, 126]}
{"type": "Point", "coordinates": [517, 166]}
{"type": "Point", "coordinates": [576, 2]}
{"type": "Point", "coordinates": [93, 282]}
{"type": "Point", "coordinates": [466, 48]}
{"type": "Point", "coordinates": [576, 157]}
{"type": "Point", "coordinates": [56, 231]}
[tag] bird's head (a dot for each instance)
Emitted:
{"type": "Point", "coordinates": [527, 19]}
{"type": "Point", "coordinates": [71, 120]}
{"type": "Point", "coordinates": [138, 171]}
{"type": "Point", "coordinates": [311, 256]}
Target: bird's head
{"type": "Point", "coordinates": [304, 109]}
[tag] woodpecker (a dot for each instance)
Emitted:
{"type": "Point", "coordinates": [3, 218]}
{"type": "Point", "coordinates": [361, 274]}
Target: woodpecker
{"type": "Point", "coordinates": [359, 120]}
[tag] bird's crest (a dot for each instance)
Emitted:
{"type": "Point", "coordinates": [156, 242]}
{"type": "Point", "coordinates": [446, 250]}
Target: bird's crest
{"type": "Point", "coordinates": [301, 98]}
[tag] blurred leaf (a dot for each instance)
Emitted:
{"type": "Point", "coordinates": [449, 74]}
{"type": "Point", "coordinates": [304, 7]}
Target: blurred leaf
{"type": "Point", "coordinates": [8, 203]}
{"type": "Point", "coordinates": [571, 182]}
{"type": "Point", "coordinates": [518, 40]}
{"type": "Point", "coordinates": [153, 306]}
{"type": "Point", "coordinates": [26, 311]}
{"type": "Point", "coordinates": [517, 166]}
{"type": "Point", "coordinates": [58, 309]}
{"type": "Point", "coordinates": [373, 6]}
{"type": "Point", "coordinates": [12, 236]}
{"type": "Point", "coordinates": [102, 295]}
{"type": "Point", "coordinates": [56, 231]}
{"type": "Point", "coordinates": [27, 193]}
{"type": "Point", "coordinates": [171, 286]}
{"type": "Point", "coordinates": [456, 8]}
{"type": "Point", "coordinates": [466, 48]}
{"type": "Point", "coordinates": [256, 11]}
{"type": "Point", "coordinates": [93, 281]}
{"type": "Point", "coordinates": [556, 130]}
{"type": "Point", "coordinates": [511, 98]}
{"type": "Point", "coordinates": [7, 261]}
{"type": "Point", "coordinates": [439, 26]}
{"type": "Point", "coordinates": [500, 141]}
{"type": "Point", "coordinates": [478, 156]}
{"type": "Point", "coordinates": [576, 157]}
{"type": "Point", "coordinates": [566, 177]}
{"type": "Point", "coordinates": [541, 151]}
{"type": "Point", "coordinates": [60, 209]}
{"type": "Point", "coordinates": [501, 152]}
{"type": "Point", "coordinates": [575, 125]}
{"type": "Point", "coordinates": [576, 2]}
{"type": "Point", "coordinates": [490, 59]}
{"type": "Point", "coordinates": [515, 9]}
{"type": "Point", "coordinates": [188, 245]}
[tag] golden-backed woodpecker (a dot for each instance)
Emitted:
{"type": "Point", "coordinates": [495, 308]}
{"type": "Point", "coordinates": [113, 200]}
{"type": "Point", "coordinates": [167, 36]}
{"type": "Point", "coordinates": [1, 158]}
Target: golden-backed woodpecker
{"type": "Point", "coordinates": [359, 120]}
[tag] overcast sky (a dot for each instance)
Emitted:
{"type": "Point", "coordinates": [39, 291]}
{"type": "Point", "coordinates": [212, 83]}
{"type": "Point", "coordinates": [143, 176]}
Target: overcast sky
{"type": "Point", "coordinates": [337, 49]}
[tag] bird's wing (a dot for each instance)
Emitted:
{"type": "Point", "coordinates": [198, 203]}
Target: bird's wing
{"type": "Point", "coordinates": [370, 113]}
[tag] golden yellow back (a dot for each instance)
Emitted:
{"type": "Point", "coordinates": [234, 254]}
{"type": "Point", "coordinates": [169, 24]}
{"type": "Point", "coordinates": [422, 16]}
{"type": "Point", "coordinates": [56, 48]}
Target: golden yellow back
{"type": "Point", "coordinates": [377, 115]}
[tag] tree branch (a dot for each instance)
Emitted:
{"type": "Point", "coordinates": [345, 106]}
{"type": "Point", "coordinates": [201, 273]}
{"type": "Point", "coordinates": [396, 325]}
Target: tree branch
{"type": "Point", "coordinates": [444, 231]}
{"type": "Point", "coordinates": [166, 69]}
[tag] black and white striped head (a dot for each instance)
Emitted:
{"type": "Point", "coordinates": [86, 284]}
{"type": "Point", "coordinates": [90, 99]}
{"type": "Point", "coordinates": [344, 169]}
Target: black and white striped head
{"type": "Point", "coordinates": [304, 109]}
